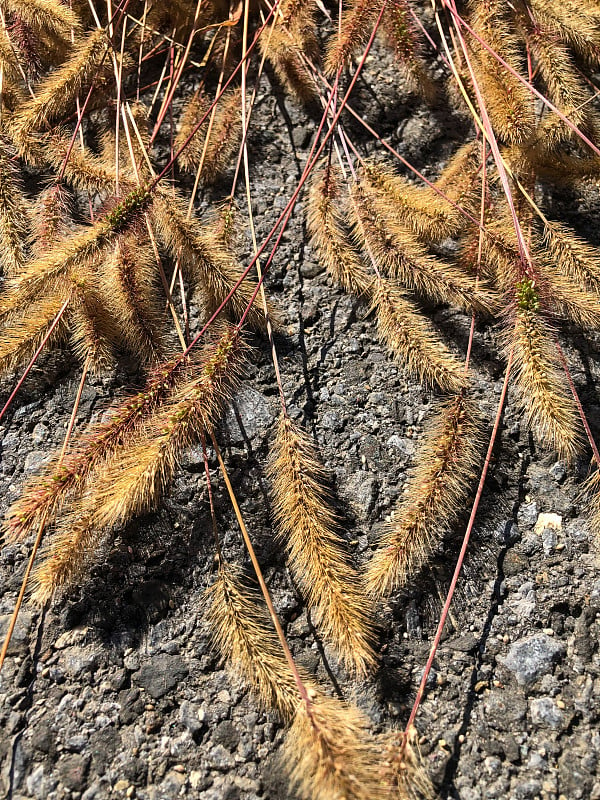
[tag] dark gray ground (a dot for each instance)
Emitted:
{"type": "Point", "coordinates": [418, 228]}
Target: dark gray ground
{"type": "Point", "coordinates": [116, 692]}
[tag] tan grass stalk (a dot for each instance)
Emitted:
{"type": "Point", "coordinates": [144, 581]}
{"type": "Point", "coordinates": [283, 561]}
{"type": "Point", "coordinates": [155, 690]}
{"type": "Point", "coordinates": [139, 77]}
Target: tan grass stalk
{"type": "Point", "coordinates": [331, 754]}
{"type": "Point", "coordinates": [330, 237]}
{"type": "Point", "coordinates": [419, 208]}
{"type": "Point", "coordinates": [66, 478]}
{"type": "Point", "coordinates": [509, 103]}
{"type": "Point", "coordinates": [21, 338]}
{"type": "Point", "coordinates": [399, 254]}
{"type": "Point", "coordinates": [435, 494]}
{"type": "Point", "coordinates": [57, 93]}
{"type": "Point", "coordinates": [307, 525]}
{"type": "Point", "coordinates": [14, 218]}
{"type": "Point", "coordinates": [540, 385]}
{"type": "Point", "coordinates": [402, 36]}
{"type": "Point", "coordinates": [133, 480]}
{"type": "Point", "coordinates": [206, 260]}
{"type": "Point", "coordinates": [411, 339]}
{"type": "Point", "coordinates": [243, 634]}
{"type": "Point", "coordinates": [49, 16]}
{"type": "Point", "coordinates": [225, 135]}
{"type": "Point", "coordinates": [127, 278]}
{"type": "Point", "coordinates": [356, 27]}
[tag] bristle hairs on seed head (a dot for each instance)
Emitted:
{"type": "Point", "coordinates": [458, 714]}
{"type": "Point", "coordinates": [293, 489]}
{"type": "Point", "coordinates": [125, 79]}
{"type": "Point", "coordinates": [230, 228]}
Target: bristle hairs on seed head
{"type": "Point", "coordinates": [560, 293]}
{"type": "Point", "coordinates": [50, 218]}
{"type": "Point", "coordinates": [356, 27]}
{"type": "Point", "coordinates": [91, 326]}
{"type": "Point", "coordinates": [243, 634]}
{"type": "Point", "coordinates": [136, 477]}
{"type": "Point", "coordinates": [128, 277]}
{"type": "Point", "coordinates": [66, 479]}
{"type": "Point", "coordinates": [132, 480]}
{"type": "Point", "coordinates": [8, 60]}
{"type": "Point", "coordinates": [557, 69]}
{"type": "Point", "coordinates": [437, 489]}
{"type": "Point", "coordinates": [403, 37]}
{"type": "Point", "coordinates": [331, 754]}
{"type": "Point", "coordinates": [420, 208]}
{"type": "Point", "coordinates": [45, 16]}
{"type": "Point", "coordinates": [213, 156]}
{"type": "Point", "coordinates": [399, 254]}
{"type": "Point", "coordinates": [508, 102]}
{"type": "Point", "coordinates": [460, 180]}
{"type": "Point", "coordinates": [404, 770]}
{"type": "Point", "coordinates": [226, 271]}
{"type": "Point", "coordinates": [576, 22]}
{"type": "Point", "coordinates": [306, 523]}
{"type": "Point", "coordinates": [194, 109]}
{"type": "Point", "coordinates": [289, 45]}
{"type": "Point", "coordinates": [541, 388]}
{"type": "Point", "coordinates": [50, 272]}
{"type": "Point", "coordinates": [590, 494]}
{"type": "Point", "coordinates": [58, 92]}
{"type": "Point", "coordinates": [70, 261]}
{"type": "Point", "coordinates": [578, 259]}
{"type": "Point", "coordinates": [330, 236]}
{"type": "Point", "coordinates": [28, 328]}
{"type": "Point", "coordinates": [14, 217]}
{"type": "Point", "coordinates": [207, 261]}
{"type": "Point", "coordinates": [84, 170]}
{"type": "Point", "coordinates": [67, 556]}
{"type": "Point", "coordinates": [412, 340]}
{"type": "Point", "coordinates": [329, 751]}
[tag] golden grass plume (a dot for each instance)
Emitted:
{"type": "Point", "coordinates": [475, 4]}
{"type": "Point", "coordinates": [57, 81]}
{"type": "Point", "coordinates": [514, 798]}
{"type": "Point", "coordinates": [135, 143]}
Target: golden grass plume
{"type": "Point", "coordinates": [540, 385]}
{"type": "Point", "coordinates": [411, 338]}
{"type": "Point", "coordinates": [399, 254]}
{"type": "Point", "coordinates": [65, 479]}
{"type": "Point", "coordinates": [306, 524]}
{"type": "Point", "coordinates": [330, 236]}
{"type": "Point", "coordinates": [133, 479]}
{"type": "Point", "coordinates": [331, 754]}
{"type": "Point", "coordinates": [436, 492]}
{"type": "Point", "coordinates": [243, 634]}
